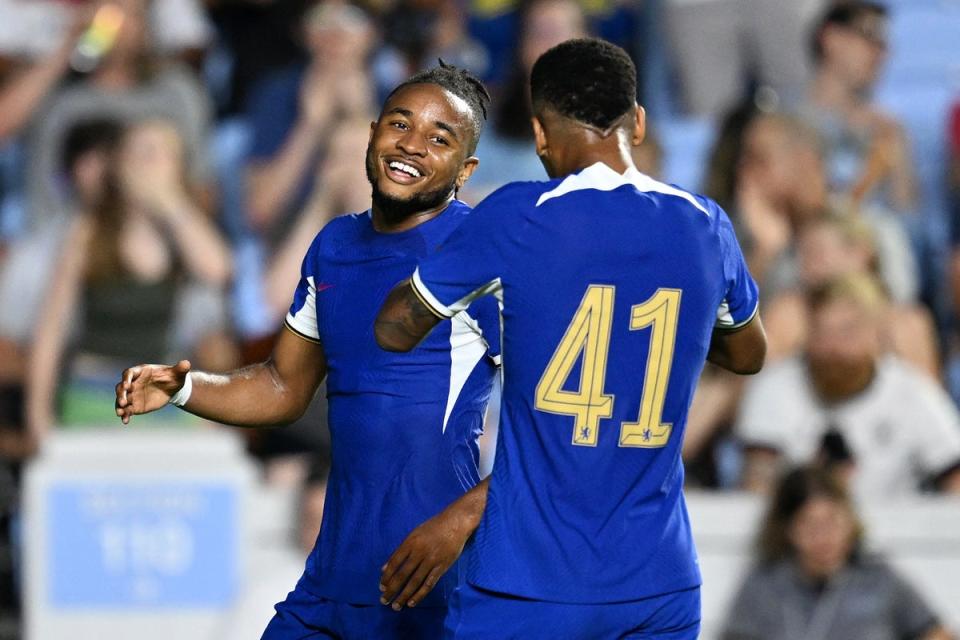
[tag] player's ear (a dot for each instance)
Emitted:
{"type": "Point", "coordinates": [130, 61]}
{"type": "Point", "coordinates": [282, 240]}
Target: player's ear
{"type": "Point", "coordinates": [639, 126]}
{"type": "Point", "coordinates": [466, 170]}
{"type": "Point", "coordinates": [539, 136]}
{"type": "Point", "coordinates": [373, 127]}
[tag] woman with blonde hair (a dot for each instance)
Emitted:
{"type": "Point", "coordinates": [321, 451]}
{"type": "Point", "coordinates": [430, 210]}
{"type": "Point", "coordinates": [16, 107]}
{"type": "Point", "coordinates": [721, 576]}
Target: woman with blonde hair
{"type": "Point", "coordinates": [141, 261]}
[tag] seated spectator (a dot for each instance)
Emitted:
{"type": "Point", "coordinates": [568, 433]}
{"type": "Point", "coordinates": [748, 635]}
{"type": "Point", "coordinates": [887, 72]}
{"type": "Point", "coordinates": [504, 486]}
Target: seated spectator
{"type": "Point", "coordinates": [721, 46]}
{"type": "Point", "coordinates": [138, 248]}
{"type": "Point", "coordinates": [868, 154]}
{"type": "Point", "coordinates": [128, 84]}
{"type": "Point", "coordinates": [779, 184]}
{"type": "Point", "coordinates": [813, 578]}
{"type": "Point", "coordinates": [23, 88]}
{"type": "Point", "coordinates": [294, 112]}
{"type": "Point", "coordinates": [506, 149]}
{"type": "Point", "coordinates": [901, 428]}
{"type": "Point", "coordinates": [766, 169]}
{"type": "Point", "coordinates": [418, 32]}
{"type": "Point", "coordinates": [832, 247]}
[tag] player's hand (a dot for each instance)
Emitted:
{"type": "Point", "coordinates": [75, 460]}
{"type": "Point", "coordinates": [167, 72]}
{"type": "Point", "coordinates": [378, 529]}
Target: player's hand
{"type": "Point", "coordinates": [148, 387]}
{"type": "Point", "coordinates": [422, 559]}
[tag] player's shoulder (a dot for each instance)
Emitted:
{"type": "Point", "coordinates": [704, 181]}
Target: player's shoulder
{"type": "Point", "coordinates": [515, 195]}
{"type": "Point", "coordinates": [601, 177]}
{"type": "Point", "coordinates": [338, 231]}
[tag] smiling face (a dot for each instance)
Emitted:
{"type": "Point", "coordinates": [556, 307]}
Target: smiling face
{"type": "Point", "coordinates": [420, 151]}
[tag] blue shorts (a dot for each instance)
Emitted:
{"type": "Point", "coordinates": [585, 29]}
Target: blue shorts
{"type": "Point", "coordinates": [477, 614]}
{"type": "Point", "coordinates": [304, 615]}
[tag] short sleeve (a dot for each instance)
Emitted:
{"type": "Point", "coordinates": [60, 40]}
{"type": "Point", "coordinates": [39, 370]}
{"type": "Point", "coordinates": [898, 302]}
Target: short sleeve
{"type": "Point", "coordinates": [302, 316]}
{"type": "Point", "coordinates": [741, 300]}
{"type": "Point", "coordinates": [937, 428]}
{"type": "Point", "coordinates": [470, 264]}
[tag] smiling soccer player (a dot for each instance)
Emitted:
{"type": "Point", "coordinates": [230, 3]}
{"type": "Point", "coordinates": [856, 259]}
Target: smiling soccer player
{"type": "Point", "coordinates": [403, 429]}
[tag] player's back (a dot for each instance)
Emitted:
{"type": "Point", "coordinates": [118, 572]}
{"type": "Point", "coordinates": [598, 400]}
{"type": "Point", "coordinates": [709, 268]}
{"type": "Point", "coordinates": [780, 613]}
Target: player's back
{"type": "Point", "coordinates": [610, 288]}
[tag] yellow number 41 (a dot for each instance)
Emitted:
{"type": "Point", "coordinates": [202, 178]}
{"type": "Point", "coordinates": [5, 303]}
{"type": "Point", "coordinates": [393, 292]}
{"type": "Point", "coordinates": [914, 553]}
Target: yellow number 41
{"type": "Point", "coordinates": [587, 339]}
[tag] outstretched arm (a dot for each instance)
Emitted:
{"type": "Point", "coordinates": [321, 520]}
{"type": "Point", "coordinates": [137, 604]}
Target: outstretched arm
{"type": "Point", "coordinates": [404, 320]}
{"type": "Point", "coordinates": [430, 549]}
{"type": "Point", "coordinates": [274, 392]}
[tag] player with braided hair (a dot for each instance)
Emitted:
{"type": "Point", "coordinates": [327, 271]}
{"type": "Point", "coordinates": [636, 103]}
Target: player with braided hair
{"type": "Point", "coordinates": [404, 430]}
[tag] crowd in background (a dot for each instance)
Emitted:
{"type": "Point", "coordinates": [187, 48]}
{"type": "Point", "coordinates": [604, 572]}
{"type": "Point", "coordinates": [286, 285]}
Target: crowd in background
{"type": "Point", "coordinates": [156, 201]}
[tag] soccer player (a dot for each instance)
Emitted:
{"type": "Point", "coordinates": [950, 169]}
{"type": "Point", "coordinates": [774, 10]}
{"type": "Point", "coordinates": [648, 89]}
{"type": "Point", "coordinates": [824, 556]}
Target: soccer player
{"type": "Point", "coordinates": [615, 289]}
{"type": "Point", "coordinates": [403, 428]}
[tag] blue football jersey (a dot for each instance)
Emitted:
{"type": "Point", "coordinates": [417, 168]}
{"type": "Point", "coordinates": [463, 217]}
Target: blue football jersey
{"type": "Point", "coordinates": [403, 426]}
{"type": "Point", "coordinates": [610, 287]}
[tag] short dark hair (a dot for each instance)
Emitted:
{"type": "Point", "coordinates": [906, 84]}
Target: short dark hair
{"type": "Point", "coordinates": [460, 83]}
{"type": "Point", "coordinates": [794, 490]}
{"type": "Point", "coordinates": [843, 14]}
{"type": "Point", "coordinates": [100, 134]}
{"type": "Point", "coordinates": [586, 79]}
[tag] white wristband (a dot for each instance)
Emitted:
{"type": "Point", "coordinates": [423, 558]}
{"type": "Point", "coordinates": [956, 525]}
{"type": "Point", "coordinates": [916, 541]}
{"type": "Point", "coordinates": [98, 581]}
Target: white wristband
{"type": "Point", "coordinates": [180, 397]}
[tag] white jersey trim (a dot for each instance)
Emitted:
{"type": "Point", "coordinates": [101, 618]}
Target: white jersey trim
{"type": "Point", "coordinates": [601, 177]}
{"type": "Point", "coordinates": [467, 348]}
{"type": "Point", "coordinates": [304, 321]}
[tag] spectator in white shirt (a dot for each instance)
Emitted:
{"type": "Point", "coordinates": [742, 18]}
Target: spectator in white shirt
{"type": "Point", "coordinates": [900, 427]}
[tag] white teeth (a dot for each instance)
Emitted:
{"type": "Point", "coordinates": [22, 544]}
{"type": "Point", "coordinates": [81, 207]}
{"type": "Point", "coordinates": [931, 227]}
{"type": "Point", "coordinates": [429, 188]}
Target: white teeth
{"type": "Point", "coordinates": [400, 166]}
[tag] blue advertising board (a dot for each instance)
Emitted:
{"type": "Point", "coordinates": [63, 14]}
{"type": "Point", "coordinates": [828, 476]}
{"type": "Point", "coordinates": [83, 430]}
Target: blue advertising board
{"type": "Point", "coordinates": [132, 546]}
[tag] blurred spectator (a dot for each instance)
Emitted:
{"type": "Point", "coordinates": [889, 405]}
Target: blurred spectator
{"type": "Point", "coordinates": [294, 112]}
{"type": "Point", "coordinates": [813, 578]}
{"type": "Point", "coordinates": [497, 23]}
{"type": "Point", "coordinates": [417, 33]}
{"type": "Point", "coordinates": [25, 87]}
{"type": "Point", "coordinates": [766, 169]}
{"type": "Point", "coordinates": [868, 155]}
{"type": "Point", "coordinates": [773, 181]}
{"type": "Point", "coordinates": [506, 150]}
{"type": "Point", "coordinates": [253, 39]}
{"type": "Point", "coordinates": [829, 248]}
{"type": "Point", "coordinates": [130, 83]}
{"type": "Point", "coordinates": [900, 426]}
{"type": "Point", "coordinates": [135, 244]}
{"type": "Point", "coordinates": [340, 186]}
{"type": "Point", "coordinates": [35, 28]}
{"type": "Point", "coordinates": [722, 47]}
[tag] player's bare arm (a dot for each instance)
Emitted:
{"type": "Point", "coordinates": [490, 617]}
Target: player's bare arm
{"type": "Point", "coordinates": [430, 549]}
{"type": "Point", "coordinates": [274, 392]}
{"type": "Point", "coordinates": [404, 320]}
{"type": "Point", "coordinates": [741, 350]}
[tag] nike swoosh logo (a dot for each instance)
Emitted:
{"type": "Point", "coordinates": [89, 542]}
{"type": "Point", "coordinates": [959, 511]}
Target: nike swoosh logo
{"type": "Point", "coordinates": [323, 287]}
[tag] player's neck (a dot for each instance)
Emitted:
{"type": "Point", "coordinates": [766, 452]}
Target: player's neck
{"type": "Point", "coordinates": [384, 223]}
{"type": "Point", "coordinates": [585, 153]}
